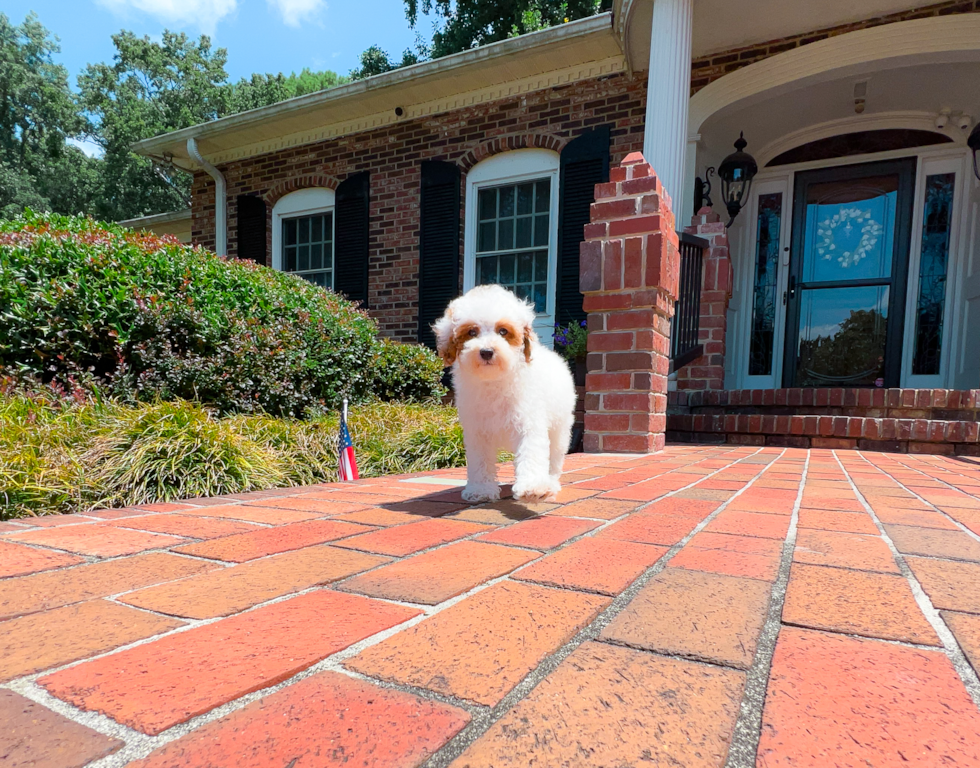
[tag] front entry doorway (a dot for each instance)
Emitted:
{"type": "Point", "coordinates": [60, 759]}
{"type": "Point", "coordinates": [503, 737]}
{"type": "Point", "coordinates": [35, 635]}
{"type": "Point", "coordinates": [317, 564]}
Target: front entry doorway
{"type": "Point", "coordinates": [848, 270]}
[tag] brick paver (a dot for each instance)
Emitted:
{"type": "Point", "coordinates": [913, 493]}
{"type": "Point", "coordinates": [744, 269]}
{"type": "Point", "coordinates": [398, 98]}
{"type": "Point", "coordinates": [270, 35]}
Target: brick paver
{"type": "Point", "coordinates": [435, 576]}
{"type": "Point", "coordinates": [703, 616]}
{"type": "Point", "coordinates": [45, 640]}
{"type": "Point", "coordinates": [844, 701]}
{"type": "Point", "coordinates": [19, 560]}
{"type": "Point", "coordinates": [154, 686]}
{"type": "Point", "coordinates": [596, 631]}
{"type": "Point", "coordinates": [481, 648]}
{"type": "Point", "coordinates": [608, 706]}
{"type": "Point", "coordinates": [229, 590]}
{"type": "Point", "coordinates": [355, 723]}
{"type": "Point", "coordinates": [32, 736]}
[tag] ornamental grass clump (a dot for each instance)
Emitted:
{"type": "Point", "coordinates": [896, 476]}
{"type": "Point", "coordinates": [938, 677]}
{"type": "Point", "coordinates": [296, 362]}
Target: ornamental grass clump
{"type": "Point", "coordinates": [145, 318]}
{"type": "Point", "coordinates": [78, 454]}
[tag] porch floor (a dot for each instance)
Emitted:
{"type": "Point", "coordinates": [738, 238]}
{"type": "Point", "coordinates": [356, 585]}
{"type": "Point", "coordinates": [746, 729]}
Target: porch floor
{"type": "Point", "coordinates": [706, 606]}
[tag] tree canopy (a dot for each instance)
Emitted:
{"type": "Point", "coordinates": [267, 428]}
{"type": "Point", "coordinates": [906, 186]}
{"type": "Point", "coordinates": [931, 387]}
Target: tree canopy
{"type": "Point", "coordinates": [148, 89]}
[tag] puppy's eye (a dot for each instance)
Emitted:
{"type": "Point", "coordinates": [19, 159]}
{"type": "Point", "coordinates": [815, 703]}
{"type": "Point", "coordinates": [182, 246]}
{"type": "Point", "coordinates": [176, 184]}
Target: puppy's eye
{"type": "Point", "coordinates": [472, 333]}
{"type": "Point", "coordinates": [502, 332]}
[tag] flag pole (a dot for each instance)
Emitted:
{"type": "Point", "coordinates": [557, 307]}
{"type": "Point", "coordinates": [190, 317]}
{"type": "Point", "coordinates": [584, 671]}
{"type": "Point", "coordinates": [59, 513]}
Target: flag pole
{"type": "Point", "coordinates": [345, 409]}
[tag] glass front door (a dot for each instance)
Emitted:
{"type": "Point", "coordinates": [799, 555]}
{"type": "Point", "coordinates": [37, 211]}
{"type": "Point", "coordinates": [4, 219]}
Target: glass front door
{"type": "Point", "coordinates": [848, 268]}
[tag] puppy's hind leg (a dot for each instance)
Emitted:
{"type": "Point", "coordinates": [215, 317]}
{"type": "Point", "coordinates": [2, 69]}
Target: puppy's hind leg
{"type": "Point", "coordinates": [481, 470]}
{"type": "Point", "coordinates": [561, 438]}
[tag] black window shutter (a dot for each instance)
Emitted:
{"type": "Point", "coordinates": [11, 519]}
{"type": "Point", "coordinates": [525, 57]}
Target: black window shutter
{"type": "Point", "coordinates": [584, 163]}
{"type": "Point", "coordinates": [351, 230]}
{"type": "Point", "coordinates": [438, 244]}
{"type": "Point", "coordinates": [251, 228]}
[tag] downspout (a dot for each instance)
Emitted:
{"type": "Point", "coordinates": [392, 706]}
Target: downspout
{"type": "Point", "coordinates": [220, 199]}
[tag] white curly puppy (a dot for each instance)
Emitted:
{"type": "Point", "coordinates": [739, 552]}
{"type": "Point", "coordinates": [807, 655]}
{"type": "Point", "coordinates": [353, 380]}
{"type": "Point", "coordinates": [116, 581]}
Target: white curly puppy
{"type": "Point", "coordinates": [512, 393]}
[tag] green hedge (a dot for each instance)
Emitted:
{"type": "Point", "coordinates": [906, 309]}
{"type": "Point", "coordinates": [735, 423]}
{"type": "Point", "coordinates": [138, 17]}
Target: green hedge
{"type": "Point", "coordinates": [60, 455]}
{"type": "Point", "coordinates": [145, 318]}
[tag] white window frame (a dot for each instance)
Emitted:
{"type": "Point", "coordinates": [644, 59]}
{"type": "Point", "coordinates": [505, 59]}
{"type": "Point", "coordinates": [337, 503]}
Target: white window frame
{"type": "Point", "coordinates": [514, 167]}
{"type": "Point", "coordinates": [304, 202]}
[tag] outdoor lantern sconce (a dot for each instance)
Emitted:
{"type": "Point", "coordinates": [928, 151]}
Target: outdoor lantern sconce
{"type": "Point", "coordinates": [736, 172]}
{"type": "Point", "coordinates": [974, 144]}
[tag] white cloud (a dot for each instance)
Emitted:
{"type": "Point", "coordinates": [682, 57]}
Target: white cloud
{"type": "Point", "coordinates": [204, 14]}
{"type": "Point", "coordinates": [294, 12]}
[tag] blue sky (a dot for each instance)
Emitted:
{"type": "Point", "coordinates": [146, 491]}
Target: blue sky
{"type": "Point", "coordinates": [260, 35]}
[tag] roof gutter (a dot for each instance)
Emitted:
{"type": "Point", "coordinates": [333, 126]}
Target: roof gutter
{"type": "Point", "coordinates": [220, 198]}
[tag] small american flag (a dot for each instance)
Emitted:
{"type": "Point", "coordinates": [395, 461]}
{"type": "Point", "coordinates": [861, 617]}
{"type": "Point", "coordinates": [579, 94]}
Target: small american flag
{"type": "Point", "coordinates": [346, 462]}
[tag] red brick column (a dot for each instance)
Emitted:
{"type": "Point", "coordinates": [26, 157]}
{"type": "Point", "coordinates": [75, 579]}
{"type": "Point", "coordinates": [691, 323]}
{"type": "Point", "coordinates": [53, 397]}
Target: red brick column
{"type": "Point", "coordinates": [629, 272]}
{"type": "Point", "coordinates": [708, 371]}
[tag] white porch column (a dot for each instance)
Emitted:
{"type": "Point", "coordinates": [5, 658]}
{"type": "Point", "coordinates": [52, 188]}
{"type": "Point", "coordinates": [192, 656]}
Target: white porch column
{"type": "Point", "coordinates": [668, 94]}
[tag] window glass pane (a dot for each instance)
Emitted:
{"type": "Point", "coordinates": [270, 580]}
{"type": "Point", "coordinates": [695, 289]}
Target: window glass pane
{"type": "Point", "coordinates": [316, 235]}
{"type": "Point", "coordinates": [525, 268]}
{"type": "Point", "coordinates": [933, 263]}
{"type": "Point", "coordinates": [842, 336]}
{"type": "Point", "coordinates": [764, 295]}
{"type": "Point", "coordinates": [304, 230]}
{"type": "Point", "coordinates": [289, 231]}
{"type": "Point", "coordinates": [488, 204]}
{"type": "Point", "coordinates": [486, 270]}
{"type": "Point", "coordinates": [540, 302]}
{"type": "Point", "coordinates": [508, 263]}
{"type": "Point", "coordinates": [328, 227]}
{"type": "Point", "coordinates": [303, 259]}
{"type": "Point", "coordinates": [506, 202]}
{"type": "Point", "coordinates": [525, 199]}
{"type": "Point", "coordinates": [487, 239]}
{"type": "Point", "coordinates": [542, 195]}
{"type": "Point", "coordinates": [541, 229]}
{"type": "Point", "coordinates": [850, 229]}
{"type": "Point", "coordinates": [541, 267]}
{"type": "Point", "coordinates": [524, 232]}
{"type": "Point", "coordinates": [316, 256]}
{"type": "Point", "coordinates": [328, 256]}
{"type": "Point", "coordinates": [290, 260]}
{"type": "Point", "coordinates": [505, 234]}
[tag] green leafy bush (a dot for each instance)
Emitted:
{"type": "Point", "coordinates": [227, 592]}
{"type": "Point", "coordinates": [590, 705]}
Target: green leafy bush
{"type": "Point", "coordinates": [145, 318]}
{"type": "Point", "coordinates": [406, 372]}
{"type": "Point", "coordinates": [65, 455]}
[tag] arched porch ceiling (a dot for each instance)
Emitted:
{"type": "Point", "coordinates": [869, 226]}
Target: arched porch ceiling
{"type": "Point", "coordinates": [913, 70]}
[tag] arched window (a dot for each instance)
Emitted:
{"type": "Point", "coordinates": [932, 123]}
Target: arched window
{"type": "Point", "coordinates": [859, 143]}
{"type": "Point", "coordinates": [512, 228]}
{"type": "Point", "coordinates": [303, 235]}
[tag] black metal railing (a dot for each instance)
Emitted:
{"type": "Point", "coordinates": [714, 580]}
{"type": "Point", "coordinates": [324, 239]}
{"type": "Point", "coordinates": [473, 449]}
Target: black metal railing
{"type": "Point", "coordinates": [686, 325]}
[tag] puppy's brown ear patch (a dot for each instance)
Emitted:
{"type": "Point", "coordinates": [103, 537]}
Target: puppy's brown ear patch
{"type": "Point", "coordinates": [446, 343]}
{"type": "Point", "coordinates": [529, 338]}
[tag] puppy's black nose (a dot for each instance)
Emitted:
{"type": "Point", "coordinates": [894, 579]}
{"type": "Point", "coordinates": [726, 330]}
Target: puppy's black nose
{"type": "Point", "coordinates": [486, 354]}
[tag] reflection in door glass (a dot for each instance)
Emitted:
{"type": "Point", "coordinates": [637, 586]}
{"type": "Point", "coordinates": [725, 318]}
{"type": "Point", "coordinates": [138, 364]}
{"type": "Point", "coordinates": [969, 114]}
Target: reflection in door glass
{"type": "Point", "coordinates": [932, 274]}
{"type": "Point", "coordinates": [764, 293]}
{"type": "Point", "coordinates": [842, 336]}
{"type": "Point", "coordinates": [849, 229]}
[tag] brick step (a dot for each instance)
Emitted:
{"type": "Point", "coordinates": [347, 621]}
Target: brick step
{"type": "Point", "coordinates": [903, 420]}
{"type": "Point", "coordinates": [812, 431]}
{"type": "Point", "coordinates": [944, 404]}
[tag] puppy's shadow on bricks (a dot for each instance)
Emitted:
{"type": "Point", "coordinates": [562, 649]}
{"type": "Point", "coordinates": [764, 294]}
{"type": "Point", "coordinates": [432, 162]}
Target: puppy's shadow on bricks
{"type": "Point", "coordinates": [512, 394]}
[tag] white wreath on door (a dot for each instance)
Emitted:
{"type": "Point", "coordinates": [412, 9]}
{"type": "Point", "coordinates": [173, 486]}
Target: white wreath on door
{"type": "Point", "coordinates": [848, 218]}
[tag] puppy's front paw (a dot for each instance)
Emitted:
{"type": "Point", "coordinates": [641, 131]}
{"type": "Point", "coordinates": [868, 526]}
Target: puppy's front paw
{"type": "Point", "coordinates": [481, 492]}
{"type": "Point", "coordinates": [536, 490]}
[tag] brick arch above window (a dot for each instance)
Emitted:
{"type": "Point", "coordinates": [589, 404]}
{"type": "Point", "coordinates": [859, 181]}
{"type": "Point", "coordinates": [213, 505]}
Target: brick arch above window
{"type": "Point", "coordinates": [303, 181]}
{"type": "Point", "coordinates": [507, 143]}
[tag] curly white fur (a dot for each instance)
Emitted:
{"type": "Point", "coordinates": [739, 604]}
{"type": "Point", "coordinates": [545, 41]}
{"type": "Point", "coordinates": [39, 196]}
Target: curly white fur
{"type": "Point", "coordinates": [512, 393]}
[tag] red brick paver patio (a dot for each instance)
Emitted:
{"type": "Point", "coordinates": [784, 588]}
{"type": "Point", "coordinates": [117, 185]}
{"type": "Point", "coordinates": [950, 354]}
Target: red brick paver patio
{"type": "Point", "coordinates": [706, 606]}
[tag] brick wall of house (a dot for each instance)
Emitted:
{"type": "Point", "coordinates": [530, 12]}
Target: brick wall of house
{"type": "Point", "coordinates": [393, 155]}
{"type": "Point", "coordinates": [709, 68]}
